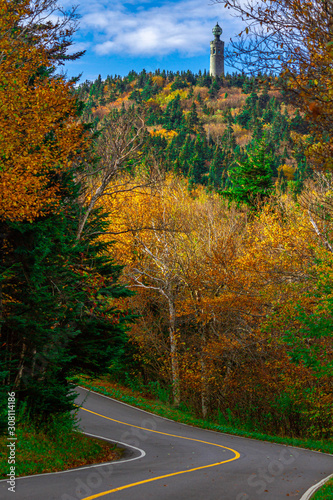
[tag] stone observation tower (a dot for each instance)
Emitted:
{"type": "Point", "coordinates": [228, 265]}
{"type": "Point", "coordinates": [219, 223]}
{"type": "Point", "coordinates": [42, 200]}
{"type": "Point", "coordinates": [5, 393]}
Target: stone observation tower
{"type": "Point", "coordinates": [217, 53]}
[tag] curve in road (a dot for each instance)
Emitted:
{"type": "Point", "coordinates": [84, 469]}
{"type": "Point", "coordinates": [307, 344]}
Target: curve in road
{"type": "Point", "coordinates": [168, 460]}
{"type": "Point", "coordinates": [98, 495]}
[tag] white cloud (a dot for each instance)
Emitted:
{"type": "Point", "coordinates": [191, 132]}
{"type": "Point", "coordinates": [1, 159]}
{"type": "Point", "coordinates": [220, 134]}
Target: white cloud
{"type": "Point", "coordinates": [77, 47]}
{"type": "Point", "coordinates": [145, 28]}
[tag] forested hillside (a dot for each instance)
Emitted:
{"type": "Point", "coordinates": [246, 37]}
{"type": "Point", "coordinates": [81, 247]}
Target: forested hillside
{"type": "Point", "coordinates": [170, 231]}
{"type": "Point", "coordinates": [223, 228]}
{"type": "Point", "coordinates": [201, 127]}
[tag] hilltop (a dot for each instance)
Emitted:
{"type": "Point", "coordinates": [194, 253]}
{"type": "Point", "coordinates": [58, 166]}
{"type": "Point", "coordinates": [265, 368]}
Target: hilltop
{"type": "Point", "coordinates": [201, 126]}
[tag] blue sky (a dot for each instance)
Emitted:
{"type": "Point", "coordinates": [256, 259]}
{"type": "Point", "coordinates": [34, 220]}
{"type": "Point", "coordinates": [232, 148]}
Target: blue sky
{"type": "Point", "coordinates": [172, 35]}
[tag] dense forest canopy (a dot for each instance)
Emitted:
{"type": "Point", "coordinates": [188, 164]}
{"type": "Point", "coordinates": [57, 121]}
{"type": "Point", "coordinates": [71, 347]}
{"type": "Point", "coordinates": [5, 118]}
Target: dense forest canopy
{"type": "Point", "coordinates": [218, 218]}
{"type": "Point", "coordinates": [170, 230]}
{"type": "Point", "coordinates": [202, 126]}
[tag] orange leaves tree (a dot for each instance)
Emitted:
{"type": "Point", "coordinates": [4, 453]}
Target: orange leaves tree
{"type": "Point", "coordinates": [54, 319]}
{"type": "Point", "coordinates": [254, 284]}
{"type": "Point", "coordinates": [39, 136]}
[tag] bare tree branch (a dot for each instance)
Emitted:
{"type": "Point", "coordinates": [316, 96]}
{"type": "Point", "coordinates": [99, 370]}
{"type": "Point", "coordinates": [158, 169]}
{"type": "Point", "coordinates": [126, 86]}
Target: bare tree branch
{"type": "Point", "coordinates": [120, 140]}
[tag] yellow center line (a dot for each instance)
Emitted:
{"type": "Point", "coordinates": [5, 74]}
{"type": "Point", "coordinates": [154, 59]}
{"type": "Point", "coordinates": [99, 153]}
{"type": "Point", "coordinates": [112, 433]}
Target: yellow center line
{"type": "Point", "coordinates": [98, 495]}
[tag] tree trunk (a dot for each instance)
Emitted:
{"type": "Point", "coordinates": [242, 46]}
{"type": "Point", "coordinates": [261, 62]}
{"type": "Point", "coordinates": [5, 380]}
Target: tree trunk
{"type": "Point", "coordinates": [174, 353]}
{"type": "Point", "coordinates": [84, 219]}
{"type": "Point", "coordinates": [21, 366]}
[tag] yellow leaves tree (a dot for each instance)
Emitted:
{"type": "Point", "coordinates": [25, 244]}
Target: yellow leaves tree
{"type": "Point", "coordinates": [166, 238]}
{"type": "Point", "coordinates": [280, 266]}
{"type": "Point", "coordinates": [162, 132]}
{"type": "Point", "coordinates": [151, 223]}
{"type": "Point", "coordinates": [214, 287]}
{"type": "Point", "coordinates": [158, 80]}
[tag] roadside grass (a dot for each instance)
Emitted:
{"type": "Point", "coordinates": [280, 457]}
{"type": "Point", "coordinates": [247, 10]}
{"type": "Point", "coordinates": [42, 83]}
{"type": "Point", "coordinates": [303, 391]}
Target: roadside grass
{"type": "Point", "coordinates": [325, 492]}
{"type": "Point", "coordinates": [136, 398]}
{"type": "Point", "coordinates": [53, 448]}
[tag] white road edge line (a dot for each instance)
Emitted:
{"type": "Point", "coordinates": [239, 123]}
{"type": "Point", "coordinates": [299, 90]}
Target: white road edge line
{"type": "Point", "coordinates": [135, 407]}
{"type": "Point", "coordinates": [142, 454]}
{"type": "Point", "coordinates": [308, 494]}
{"type": "Point", "coordinates": [208, 430]}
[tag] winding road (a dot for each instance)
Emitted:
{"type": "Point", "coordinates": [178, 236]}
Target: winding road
{"type": "Point", "coordinates": [167, 460]}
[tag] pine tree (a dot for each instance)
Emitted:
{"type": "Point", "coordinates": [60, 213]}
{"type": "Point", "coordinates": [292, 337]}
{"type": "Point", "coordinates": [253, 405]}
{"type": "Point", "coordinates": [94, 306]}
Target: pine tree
{"type": "Point", "coordinates": [173, 116]}
{"type": "Point", "coordinates": [197, 164]}
{"type": "Point", "coordinates": [178, 83]}
{"type": "Point", "coordinates": [252, 178]}
{"type": "Point", "coordinates": [196, 170]}
{"type": "Point", "coordinates": [60, 309]}
{"type": "Point", "coordinates": [264, 98]}
{"type": "Point", "coordinates": [148, 90]}
{"type": "Point", "coordinates": [215, 169]}
{"type": "Point", "coordinates": [186, 152]}
{"type": "Point", "coordinates": [192, 118]}
{"type": "Point", "coordinates": [228, 139]}
{"type": "Point", "coordinates": [213, 89]}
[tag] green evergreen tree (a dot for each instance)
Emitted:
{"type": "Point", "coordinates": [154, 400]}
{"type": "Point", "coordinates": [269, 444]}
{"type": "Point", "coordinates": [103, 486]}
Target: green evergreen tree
{"type": "Point", "coordinates": [60, 315]}
{"type": "Point", "coordinates": [185, 154]}
{"type": "Point", "coordinates": [251, 179]}
{"type": "Point", "coordinates": [173, 116]}
{"type": "Point", "coordinates": [264, 98]}
{"type": "Point", "coordinates": [136, 96]}
{"type": "Point", "coordinates": [228, 139]}
{"type": "Point", "coordinates": [213, 89]}
{"type": "Point", "coordinates": [143, 77]}
{"type": "Point", "coordinates": [258, 130]}
{"type": "Point", "coordinates": [216, 168]}
{"type": "Point", "coordinates": [197, 169]}
{"type": "Point", "coordinates": [205, 80]}
{"type": "Point", "coordinates": [201, 147]}
{"type": "Point", "coordinates": [178, 83]}
{"type": "Point", "coordinates": [149, 90]}
{"type": "Point", "coordinates": [192, 118]}
{"type": "Point", "coordinates": [206, 110]}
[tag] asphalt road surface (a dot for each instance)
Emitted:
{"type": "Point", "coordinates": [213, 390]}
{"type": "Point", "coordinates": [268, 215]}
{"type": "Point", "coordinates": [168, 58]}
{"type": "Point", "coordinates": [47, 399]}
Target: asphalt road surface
{"type": "Point", "coordinates": [167, 460]}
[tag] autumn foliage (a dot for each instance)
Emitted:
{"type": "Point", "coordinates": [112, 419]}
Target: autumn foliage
{"type": "Point", "coordinates": [292, 38]}
{"type": "Point", "coordinates": [231, 297]}
{"type": "Point", "coordinates": [201, 192]}
{"type": "Point", "coordinates": [39, 133]}
{"type": "Point", "coordinates": [53, 316]}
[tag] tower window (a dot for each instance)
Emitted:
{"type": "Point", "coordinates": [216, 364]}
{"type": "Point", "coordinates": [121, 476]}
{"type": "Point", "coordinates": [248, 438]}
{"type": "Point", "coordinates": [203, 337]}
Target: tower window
{"type": "Point", "coordinates": [214, 50]}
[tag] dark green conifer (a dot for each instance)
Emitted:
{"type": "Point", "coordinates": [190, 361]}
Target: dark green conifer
{"type": "Point", "coordinates": [215, 169]}
{"type": "Point", "coordinates": [228, 139]}
{"type": "Point", "coordinates": [251, 179]}
{"type": "Point", "coordinates": [213, 89]}
{"type": "Point", "coordinates": [173, 116]}
{"type": "Point", "coordinates": [186, 153]}
{"type": "Point", "coordinates": [60, 313]}
{"type": "Point", "coordinates": [197, 169]}
{"type": "Point", "coordinates": [192, 119]}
